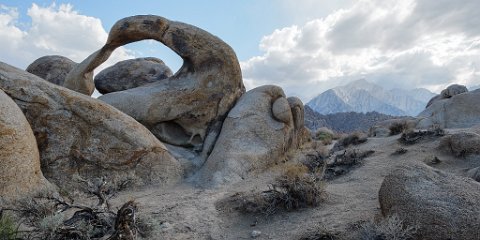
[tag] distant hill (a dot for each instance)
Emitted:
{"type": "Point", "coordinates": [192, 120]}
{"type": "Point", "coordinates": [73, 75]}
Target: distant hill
{"type": "Point", "coordinates": [343, 122]}
{"type": "Point", "coordinates": [472, 88]}
{"type": "Point", "coordinates": [362, 96]}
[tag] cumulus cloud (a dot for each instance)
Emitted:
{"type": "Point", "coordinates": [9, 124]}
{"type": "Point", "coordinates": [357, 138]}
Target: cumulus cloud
{"type": "Point", "coordinates": [411, 43]}
{"type": "Point", "coordinates": [53, 30]}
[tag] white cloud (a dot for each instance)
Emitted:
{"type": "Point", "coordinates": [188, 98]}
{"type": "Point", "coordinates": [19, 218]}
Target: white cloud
{"type": "Point", "coordinates": [54, 30]}
{"type": "Point", "coordinates": [427, 43]}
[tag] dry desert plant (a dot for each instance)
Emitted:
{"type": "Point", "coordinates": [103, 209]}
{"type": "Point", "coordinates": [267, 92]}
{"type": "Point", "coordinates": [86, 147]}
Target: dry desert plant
{"type": "Point", "coordinates": [412, 137]}
{"type": "Point", "coordinates": [389, 228]}
{"type": "Point", "coordinates": [400, 151]}
{"type": "Point", "coordinates": [351, 139]}
{"type": "Point", "coordinates": [461, 144]}
{"type": "Point", "coordinates": [342, 163]}
{"type": "Point", "coordinates": [324, 135]}
{"type": "Point", "coordinates": [398, 127]}
{"type": "Point", "coordinates": [50, 218]}
{"type": "Point", "coordinates": [296, 188]}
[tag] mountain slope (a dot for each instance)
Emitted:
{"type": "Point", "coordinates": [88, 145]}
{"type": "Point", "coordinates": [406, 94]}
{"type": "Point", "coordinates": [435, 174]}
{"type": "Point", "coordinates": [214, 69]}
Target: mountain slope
{"type": "Point", "coordinates": [363, 96]}
{"type": "Point", "coordinates": [344, 122]}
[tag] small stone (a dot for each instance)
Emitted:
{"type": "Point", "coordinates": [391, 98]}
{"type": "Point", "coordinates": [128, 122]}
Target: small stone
{"type": "Point", "coordinates": [256, 234]}
{"type": "Point", "coordinates": [165, 225]}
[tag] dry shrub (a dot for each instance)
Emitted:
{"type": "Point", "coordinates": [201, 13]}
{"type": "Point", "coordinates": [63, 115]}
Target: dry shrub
{"type": "Point", "coordinates": [45, 216]}
{"type": "Point", "coordinates": [412, 137]}
{"type": "Point", "coordinates": [315, 161]}
{"type": "Point", "coordinates": [400, 151]}
{"type": "Point", "coordinates": [147, 225]}
{"type": "Point", "coordinates": [461, 144]}
{"type": "Point", "coordinates": [351, 139]}
{"type": "Point", "coordinates": [296, 188]}
{"type": "Point", "coordinates": [398, 127]}
{"type": "Point", "coordinates": [431, 160]}
{"type": "Point", "coordinates": [299, 188]}
{"type": "Point", "coordinates": [320, 233]}
{"type": "Point", "coordinates": [324, 135]}
{"type": "Point", "coordinates": [390, 228]}
{"type": "Point", "coordinates": [344, 162]}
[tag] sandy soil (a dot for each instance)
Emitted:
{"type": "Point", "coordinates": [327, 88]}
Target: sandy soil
{"type": "Point", "coordinates": [187, 212]}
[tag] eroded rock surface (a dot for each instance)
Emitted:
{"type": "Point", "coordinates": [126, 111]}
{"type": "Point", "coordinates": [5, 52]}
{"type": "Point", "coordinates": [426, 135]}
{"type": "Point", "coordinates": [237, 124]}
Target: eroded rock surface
{"type": "Point", "coordinates": [81, 136]}
{"type": "Point", "coordinates": [186, 107]}
{"type": "Point", "coordinates": [52, 68]}
{"type": "Point", "coordinates": [458, 111]}
{"type": "Point", "coordinates": [20, 174]}
{"type": "Point", "coordinates": [131, 73]}
{"type": "Point", "coordinates": [443, 206]}
{"type": "Point", "coordinates": [257, 132]}
{"type": "Point", "coordinates": [449, 92]}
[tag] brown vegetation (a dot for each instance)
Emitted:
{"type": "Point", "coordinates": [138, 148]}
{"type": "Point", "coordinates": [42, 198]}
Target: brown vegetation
{"type": "Point", "coordinates": [351, 139]}
{"type": "Point", "coordinates": [343, 162]}
{"type": "Point", "coordinates": [461, 144]}
{"type": "Point", "coordinates": [391, 227]}
{"type": "Point", "coordinates": [50, 217]}
{"type": "Point", "coordinates": [398, 127]}
{"type": "Point", "coordinates": [296, 188]}
{"type": "Point", "coordinates": [413, 137]}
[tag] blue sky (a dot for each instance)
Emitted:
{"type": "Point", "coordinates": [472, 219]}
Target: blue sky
{"type": "Point", "coordinates": [305, 46]}
{"type": "Point", "coordinates": [240, 23]}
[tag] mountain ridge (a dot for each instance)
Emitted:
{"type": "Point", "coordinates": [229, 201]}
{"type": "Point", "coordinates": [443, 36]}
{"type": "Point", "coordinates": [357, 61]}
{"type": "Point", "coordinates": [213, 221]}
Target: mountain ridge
{"type": "Point", "coordinates": [362, 96]}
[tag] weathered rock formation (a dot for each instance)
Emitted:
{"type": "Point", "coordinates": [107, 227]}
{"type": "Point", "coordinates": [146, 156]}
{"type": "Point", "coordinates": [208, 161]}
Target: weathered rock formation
{"type": "Point", "coordinates": [79, 135]}
{"type": "Point", "coordinates": [131, 73]}
{"type": "Point", "coordinates": [257, 132]}
{"type": "Point", "coordinates": [458, 111]}
{"type": "Point", "coordinates": [474, 173]}
{"type": "Point", "coordinates": [449, 92]}
{"type": "Point", "coordinates": [52, 68]}
{"type": "Point", "coordinates": [186, 107]}
{"type": "Point", "coordinates": [20, 174]}
{"type": "Point", "coordinates": [443, 206]}
{"type": "Point", "coordinates": [453, 90]}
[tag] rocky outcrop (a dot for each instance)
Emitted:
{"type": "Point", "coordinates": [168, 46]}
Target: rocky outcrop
{"type": "Point", "coordinates": [189, 106]}
{"type": "Point", "coordinates": [20, 174]}
{"type": "Point", "coordinates": [81, 136]}
{"type": "Point", "coordinates": [474, 174]}
{"type": "Point", "coordinates": [52, 68]}
{"type": "Point", "coordinates": [131, 73]}
{"type": "Point", "coordinates": [453, 90]}
{"type": "Point", "coordinates": [443, 206]}
{"type": "Point", "coordinates": [449, 92]}
{"type": "Point", "coordinates": [458, 111]}
{"type": "Point", "coordinates": [257, 132]}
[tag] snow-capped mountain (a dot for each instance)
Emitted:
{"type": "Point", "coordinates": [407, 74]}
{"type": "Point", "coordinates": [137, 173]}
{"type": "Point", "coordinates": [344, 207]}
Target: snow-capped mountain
{"type": "Point", "coordinates": [363, 96]}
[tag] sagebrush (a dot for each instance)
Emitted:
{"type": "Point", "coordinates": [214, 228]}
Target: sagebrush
{"type": "Point", "coordinates": [296, 188]}
{"type": "Point", "coordinates": [389, 228]}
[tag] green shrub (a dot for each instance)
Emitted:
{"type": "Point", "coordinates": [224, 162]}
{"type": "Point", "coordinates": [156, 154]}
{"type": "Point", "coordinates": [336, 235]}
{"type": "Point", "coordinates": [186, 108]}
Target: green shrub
{"type": "Point", "coordinates": [324, 135]}
{"type": "Point", "coordinates": [8, 228]}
